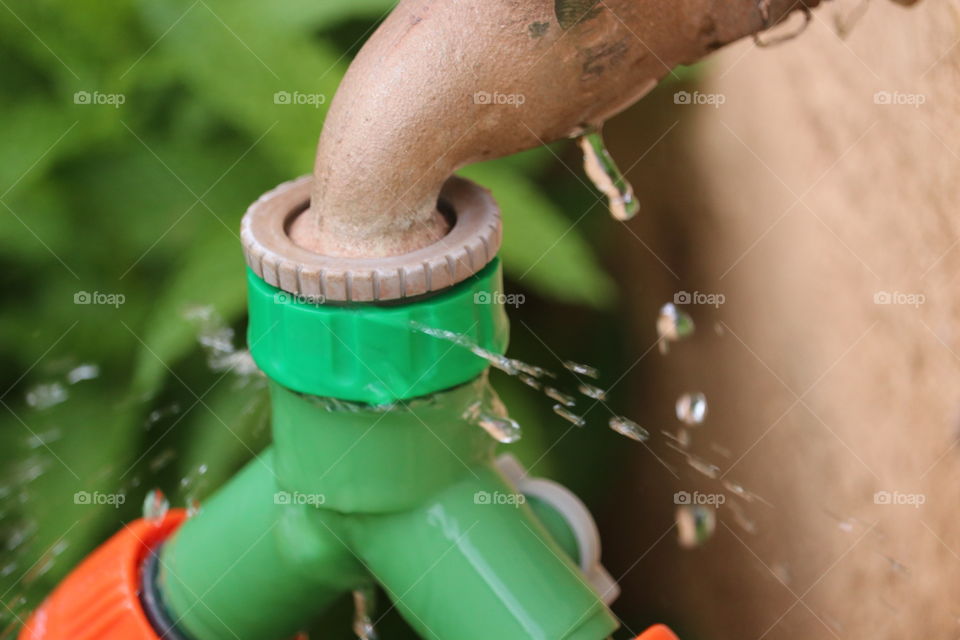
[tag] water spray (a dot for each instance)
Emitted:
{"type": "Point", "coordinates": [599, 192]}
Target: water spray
{"type": "Point", "coordinates": [379, 473]}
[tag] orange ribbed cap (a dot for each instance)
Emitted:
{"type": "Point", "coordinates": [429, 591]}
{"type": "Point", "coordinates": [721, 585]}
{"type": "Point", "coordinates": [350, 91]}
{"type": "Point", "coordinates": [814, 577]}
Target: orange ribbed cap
{"type": "Point", "coordinates": [658, 632]}
{"type": "Point", "coordinates": [100, 599]}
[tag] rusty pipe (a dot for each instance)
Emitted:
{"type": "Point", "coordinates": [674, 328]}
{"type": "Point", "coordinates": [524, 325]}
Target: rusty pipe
{"type": "Point", "coordinates": [443, 84]}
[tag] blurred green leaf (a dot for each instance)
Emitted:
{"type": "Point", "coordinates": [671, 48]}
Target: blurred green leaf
{"type": "Point", "coordinates": [228, 53]}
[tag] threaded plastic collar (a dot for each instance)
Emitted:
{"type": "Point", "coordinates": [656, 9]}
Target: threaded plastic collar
{"type": "Point", "coordinates": [376, 353]}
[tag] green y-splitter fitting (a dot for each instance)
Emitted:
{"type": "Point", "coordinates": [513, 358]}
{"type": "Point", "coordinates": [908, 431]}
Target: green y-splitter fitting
{"type": "Point", "coordinates": [378, 475]}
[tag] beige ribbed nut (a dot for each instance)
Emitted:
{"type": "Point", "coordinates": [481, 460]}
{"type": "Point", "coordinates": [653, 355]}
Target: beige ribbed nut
{"type": "Point", "coordinates": [472, 242]}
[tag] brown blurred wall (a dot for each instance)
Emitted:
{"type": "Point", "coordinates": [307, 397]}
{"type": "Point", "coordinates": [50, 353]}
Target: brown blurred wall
{"type": "Point", "coordinates": [801, 199]}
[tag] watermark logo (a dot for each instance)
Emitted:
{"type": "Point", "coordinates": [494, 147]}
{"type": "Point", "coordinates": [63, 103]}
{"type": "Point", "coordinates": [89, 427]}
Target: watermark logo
{"type": "Point", "coordinates": [284, 297]}
{"type": "Point", "coordinates": [897, 98]}
{"type": "Point", "coordinates": [96, 498]}
{"type": "Point", "coordinates": [96, 98]}
{"type": "Point", "coordinates": [499, 497]}
{"type": "Point", "coordinates": [315, 100]}
{"type": "Point", "coordinates": [699, 297]}
{"type": "Point", "coordinates": [897, 297]}
{"type": "Point", "coordinates": [714, 100]}
{"type": "Point", "coordinates": [497, 98]}
{"type": "Point", "coordinates": [96, 297]}
{"type": "Point", "coordinates": [896, 498]}
{"type": "Point", "coordinates": [298, 498]}
{"type": "Point", "coordinates": [697, 498]}
{"type": "Point", "coordinates": [498, 297]}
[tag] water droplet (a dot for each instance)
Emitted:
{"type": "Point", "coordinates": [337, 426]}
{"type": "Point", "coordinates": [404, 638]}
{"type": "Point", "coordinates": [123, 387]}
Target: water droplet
{"type": "Point", "coordinates": [531, 370]}
{"type": "Point", "coordinates": [691, 408]}
{"type": "Point", "coordinates": [490, 414]}
{"type": "Point", "coordinates": [161, 460]}
{"type": "Point", "coordinates": [695, 525]}
{"type": "Point", "coordinates": [559, 396]}
{"type": "Point", "coordinates": [363, 602]}
{"type": "Point", "coordinates": [505, 430]}
{"type": "Point", "coordinates": [83, 372]}
{"type": "Point", "coordinates": [681, 438]}
{"type": "Point", "coordinates": [44, 396]}
{"type": "Point", "coordinates": [672, 325]}
{"type": "Point", "coordinates": [706, 468]}
{"type": "Point", "coordinates": [497, 361]}
{"type": "Point", "coordinates": [510, 366]}
{"type": "Point", "coordinates": [896, 565]}
{"type": "Point", "coordinates": [155, 506]}
{"type": "Point", "coordinates": [782, 573]}
{"type": "Point", "coordinates": [723, 451]}
{"type": "Point", "coordinates": [606, 176]}
{"type": "Point", "coordinates": [20, 535]}
{"type": "Point", "coordinates": [592, 392]}
{"type": "Point", "coordinates": [37, 440]}
{"type": "Point", "coordinates": [157, 415]}
{"type": "Point", "coordinates": [740, 517]}
{"type": "Point", "coordinates": [193, 507]}
{"type": "Point", "coordinates": [629, 428]}
{"type": "Point", "coordinates": [738, 490]}
{"type": "Point", "coordinates": [38, 570]}
{"type": "Point", "coordinates": [217, 340]}
{"type": "Point", "coordinates": [531, 382]}
{"type": "Point", "coordinates": [569, 416]}
{"type": "Point", "coordinates": [581, 369]}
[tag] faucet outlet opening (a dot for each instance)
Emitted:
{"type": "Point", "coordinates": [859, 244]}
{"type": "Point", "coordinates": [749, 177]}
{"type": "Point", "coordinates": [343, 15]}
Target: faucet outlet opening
{"type": "Point", "coordinates": [269, 233]}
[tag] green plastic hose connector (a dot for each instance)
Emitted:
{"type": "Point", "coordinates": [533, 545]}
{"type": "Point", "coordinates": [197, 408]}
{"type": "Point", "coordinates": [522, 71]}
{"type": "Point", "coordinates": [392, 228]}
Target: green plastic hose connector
{"type": "Point", "coordinates": [377, 353]}
{"type": "Point", "coordinates": [396, 487]}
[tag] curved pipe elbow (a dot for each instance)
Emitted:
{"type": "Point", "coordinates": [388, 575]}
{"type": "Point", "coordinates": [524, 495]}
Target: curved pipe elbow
{"type": "Point", "coordinates": [442, 84]}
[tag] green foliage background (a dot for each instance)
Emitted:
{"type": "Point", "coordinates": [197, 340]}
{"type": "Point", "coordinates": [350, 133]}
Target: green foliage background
{"type": "Point", "coordinates": [144, 200]}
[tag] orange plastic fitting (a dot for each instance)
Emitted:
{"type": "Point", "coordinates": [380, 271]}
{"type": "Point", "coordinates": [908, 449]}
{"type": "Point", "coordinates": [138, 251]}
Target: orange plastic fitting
{"type": "Point", "coordinates": [658, 632]}
{"type": "Point", "coordinates": [101, 598]}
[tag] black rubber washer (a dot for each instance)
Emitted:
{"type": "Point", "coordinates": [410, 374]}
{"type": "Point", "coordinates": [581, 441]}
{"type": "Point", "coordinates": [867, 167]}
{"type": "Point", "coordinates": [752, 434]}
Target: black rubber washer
{"type": "Point", "coordinates": [152, 601]}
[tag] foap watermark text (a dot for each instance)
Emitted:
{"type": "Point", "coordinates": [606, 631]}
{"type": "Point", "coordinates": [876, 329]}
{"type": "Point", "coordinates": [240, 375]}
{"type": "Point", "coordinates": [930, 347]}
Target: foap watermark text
{"type": "Point", "coordinates": [98, 297]}
{"type": "Point", "coordinates": [97, 98]}
{"type": "Point", "coordinates": [899, 298]}
{"type": "Point", "coordinates": [499, 497]}
{"type": "Point", "coordinates": [699, 297]}
{"type": "Point", "coordinates": [296, 497]}
{"type": "Point", "coordinates": [497, 98]}
{"type": "Point", "coordinates": [698, 498]}
{"type": "Point", "coordinates": [715, 100]}
{"type": "Point", "coordinates": [315, 100]}
{"type": "Point", "coordinates": [497, 297]}
{"type": "Point", "coordinates": [97, 498]}
{"type": "Point", "coordinates": [897, 498]}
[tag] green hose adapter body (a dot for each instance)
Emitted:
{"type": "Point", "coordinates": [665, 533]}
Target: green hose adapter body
{"type": "Point", "coordinates": [403, 494]}
{"type": "Point", "coordinates": [377, 354]}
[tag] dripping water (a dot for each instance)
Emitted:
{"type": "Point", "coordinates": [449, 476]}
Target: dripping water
{"type": "Point", "coordinates": [691, 408]}
{"type": "Point", "coordinates": [568, 415]}
{"type": "Point", "coordinates": [629, 428]}
{"type": "Point", "coordinates": [673, 325]}
{"type": "Point", "coordinates": [363, 605]}
{"type": "Point", "coordinates": [155, 506]}
{"type": "Point", "coordinates": [605, 174]}
{"type": "Point", "coordinates": [695, 525]}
